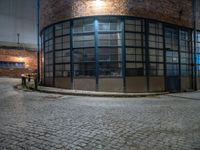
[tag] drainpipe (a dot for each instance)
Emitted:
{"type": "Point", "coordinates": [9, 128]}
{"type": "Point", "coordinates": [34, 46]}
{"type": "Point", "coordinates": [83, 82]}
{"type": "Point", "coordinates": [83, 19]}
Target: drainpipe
{"type": "Point", "coordinates": [38, 41]}
{"type": "Point", "coordinates": [195, 41]}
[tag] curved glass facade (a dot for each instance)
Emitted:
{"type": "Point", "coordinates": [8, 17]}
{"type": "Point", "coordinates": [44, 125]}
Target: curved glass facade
{"type": "Point", "coordinates": [121, 48]}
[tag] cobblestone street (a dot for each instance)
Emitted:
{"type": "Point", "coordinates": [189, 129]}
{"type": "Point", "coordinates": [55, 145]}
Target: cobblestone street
{"type": "Point", "coordinates": [33, 121]}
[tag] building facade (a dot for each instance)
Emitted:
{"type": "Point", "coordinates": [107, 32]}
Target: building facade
{"type": "Point", "coordinates": [119, 45]}
{"type": "Point", "coordinates": [14, 62]}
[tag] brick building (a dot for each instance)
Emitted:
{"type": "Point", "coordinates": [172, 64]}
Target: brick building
{"type": "Point", "coordinates": [14, 62]}
{"type": "Point", "coordinates": [119, 45]}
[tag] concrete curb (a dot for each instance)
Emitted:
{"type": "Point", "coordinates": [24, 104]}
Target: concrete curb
{"type": "Point", "coordinates": [88, 93]}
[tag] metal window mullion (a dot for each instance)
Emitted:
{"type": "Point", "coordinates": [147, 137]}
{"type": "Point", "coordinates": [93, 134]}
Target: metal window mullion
{"type": "Point", "coordinates": [164, 57]}
{"type": "Point", "coordinates": [195, 42]}
{"type": "Point", "coordinates": [96, 27]}
{"type": "Point", "coordinates": [53, 56]}
{"type": "Point", "coordinates": [62, 50]}
{"type": "Point", "coordinates": [43, 54]}
{"type": "Point", "coordinates": [179, 58]}
{"type": "Point", "coordinates": [71, 56]}
{"type": "Point", "coordinates": [147, 52]}
{"type": "Point", "coordinates": [38, 43]}
{"type": "Point", "coordinates": [123, 54]}
{"type": "Point", "coordinates": [188, 53]}
{"type": "Point", "coordinates": [192, 57]}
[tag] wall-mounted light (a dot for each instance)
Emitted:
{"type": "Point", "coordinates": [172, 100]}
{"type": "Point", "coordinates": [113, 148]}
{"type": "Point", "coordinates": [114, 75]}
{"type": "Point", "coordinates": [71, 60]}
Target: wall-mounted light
{"type": "Point", "coordinates": [20, 59]}
{"type": "Point", "coordinates": [98, 3]}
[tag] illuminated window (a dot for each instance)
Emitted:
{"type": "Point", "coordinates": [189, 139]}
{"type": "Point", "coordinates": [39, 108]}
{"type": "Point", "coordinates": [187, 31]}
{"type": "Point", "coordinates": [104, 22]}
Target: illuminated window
{"type": "Point", "coordinates": [6, 64]}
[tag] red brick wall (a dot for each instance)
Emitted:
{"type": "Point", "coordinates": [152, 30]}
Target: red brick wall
{"type": "Point", "coordinates": [13, 55]}
{"type": "Point", "coordinates": [170, 11]}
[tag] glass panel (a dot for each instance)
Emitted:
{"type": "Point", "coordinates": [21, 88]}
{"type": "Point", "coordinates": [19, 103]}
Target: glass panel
{"type": "Point", "coordinates": [133, 39]}
{"type": "Point", "coordinates": [110, 61]}
{"type": "Point", "coordinates": [58, 29]}
{"type": "Point", "coordinates": [84, 69]}
{"type": "Point", "coordinates": [83, 25]}
{"type": "Point", "coordinates": [156, 28]}
{"type": "Point", "coordinates": [110, 54]}
{"type": "Point", "coordinates": [134, 54]}
{"type": "Point", "coordinates": [66, 42]}
{"type": "Point", "coordinates": [110, 39]}
{"type": "Point", "coordinates": [172, 69]}
{"type": "Point", "coordinates": [109, 24]}
{"type": "Point", "coordinates": [135, 69]}
{"type": "Point", "coordinates": [186, 64]}
{"type": "Point", "coordinates": [48, 46]}
{"type": "Point", "coordinates": [156, 51]}
{"type": "Point", "coordinates": [62, 70]}
{"type": "Point", "coordinates": [156, 55]}
{"type": "Point", "coordinates": [84, 55]}
{"type": "Point", "coordinates": [156, 69]}
{"type": "Point", "coordinates": [171, 39]}
{"type": "Point", "coordinates": [48, 33]}
{"type": "Point", "coordinates": [171, 57]}
{"type": "Point", "coordinates": [83, 41]}
{"type": "Point", "coordinates": [62, 56]}
{"type": "Point", "coordinates": [134, 25]}
{"type": "Point", "coordinates": [184, 41]}
{"type": "Point", "coordinates": [84, 60]}
{"type": "Point", "coordinates": [66, 28]}
{"type": "Point", "coordinates": [110, 69]}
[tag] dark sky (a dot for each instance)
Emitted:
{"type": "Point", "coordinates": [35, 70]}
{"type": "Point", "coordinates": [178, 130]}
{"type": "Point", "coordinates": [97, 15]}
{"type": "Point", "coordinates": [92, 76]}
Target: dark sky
{"type": "Point", "coordinates": [18, 16]}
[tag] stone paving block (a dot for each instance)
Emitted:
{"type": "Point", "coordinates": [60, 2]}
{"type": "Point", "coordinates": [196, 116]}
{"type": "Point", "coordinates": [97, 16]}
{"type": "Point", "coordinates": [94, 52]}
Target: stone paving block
{"type": "Point", "coordinates": [31, 120]}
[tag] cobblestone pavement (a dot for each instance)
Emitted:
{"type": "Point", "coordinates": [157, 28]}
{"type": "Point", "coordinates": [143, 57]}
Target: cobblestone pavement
{"type": "Point", "coordinates": [33, 121]}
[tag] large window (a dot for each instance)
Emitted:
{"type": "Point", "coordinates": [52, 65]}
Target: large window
{"type": "Point", "coordinates": [110, 42]}
{"type": "Point", "coordinates": [83, 47]}
{"type": "Point", "coordinates": [62, 49]}
{"type": "Point", "coordinates": [84, 62]}
{"type": "Point", "coordinates": [135, 51]}
{"type": "Point", "coordinates": [6, 64]}
{"type": "Point", "coordinates": [106, 46]}
{"type": "Point", "coordinates": [48, 49]}
{"type": "Point", "coordinates": [156, 51]}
